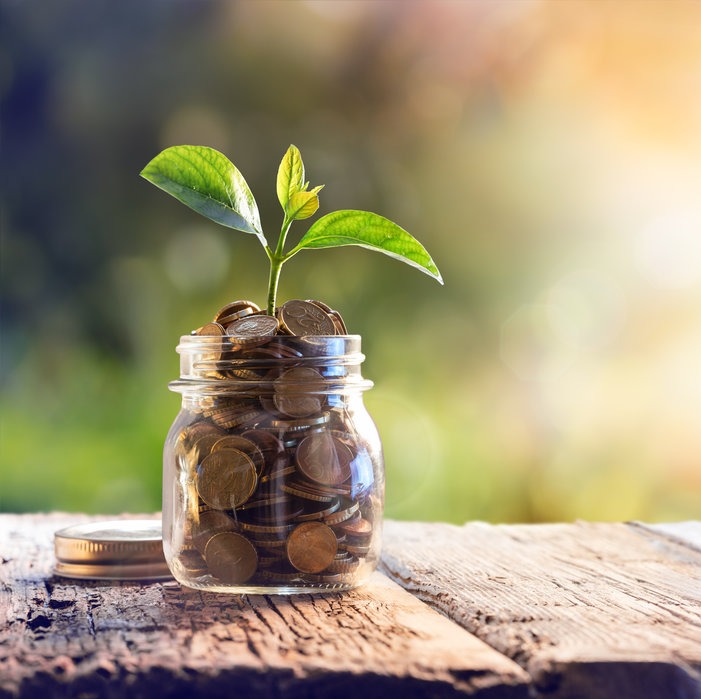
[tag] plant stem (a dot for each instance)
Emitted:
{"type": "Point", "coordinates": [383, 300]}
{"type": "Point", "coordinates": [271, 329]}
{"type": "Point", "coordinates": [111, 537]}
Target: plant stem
{"type": "Point", "coordinates": [275, 267]}
{"type": "Point", "coordinates": [277, 259]}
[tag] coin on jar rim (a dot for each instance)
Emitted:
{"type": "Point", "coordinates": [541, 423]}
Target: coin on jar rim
{"type": "Point", "coordinates": [335, 316]}
{"type": "Point", "coordinates": [304, 318]}
{"type": "Point", "coordinates": [226, 479]}
{"type": "Point", "coordinates": [211, 329]}
{"type": "Point", "coordinates": [252, 330]}
{"type": "Point", "coordinates": [240, 306]}
{"type": "Point", "coordinates": [311, 547]}
{"type": "Point", "coordinates": [231, 558]}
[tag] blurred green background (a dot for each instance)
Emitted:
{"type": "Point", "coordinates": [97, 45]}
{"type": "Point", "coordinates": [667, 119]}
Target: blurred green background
{"type": "Point", "coordinates": [547, 153]}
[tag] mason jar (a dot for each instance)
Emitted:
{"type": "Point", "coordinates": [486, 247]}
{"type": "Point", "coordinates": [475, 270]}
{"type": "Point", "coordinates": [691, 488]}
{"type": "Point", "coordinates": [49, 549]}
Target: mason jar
{"type": "Point", "coordinates": [273, 476]}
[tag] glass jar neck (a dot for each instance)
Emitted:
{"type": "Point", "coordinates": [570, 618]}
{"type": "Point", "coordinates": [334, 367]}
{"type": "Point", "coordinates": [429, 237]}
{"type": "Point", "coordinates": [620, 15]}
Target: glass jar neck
{"type": "Point", "coordinates": [323, 365]}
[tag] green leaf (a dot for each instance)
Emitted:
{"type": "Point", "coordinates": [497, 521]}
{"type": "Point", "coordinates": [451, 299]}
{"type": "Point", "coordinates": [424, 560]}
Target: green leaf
{"type": "Point", "coordinates": [208, 182]}
{"type": "Point", "coordinates": [290, 176]}
{"type": "Point", "coordinates": [303, 204]}
{"type": "Point", "coordinates": [368, 230]}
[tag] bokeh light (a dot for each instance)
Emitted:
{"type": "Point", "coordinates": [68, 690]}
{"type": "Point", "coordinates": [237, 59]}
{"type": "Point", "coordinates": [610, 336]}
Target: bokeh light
{"type": "Point", "coordinates": [547, 153]}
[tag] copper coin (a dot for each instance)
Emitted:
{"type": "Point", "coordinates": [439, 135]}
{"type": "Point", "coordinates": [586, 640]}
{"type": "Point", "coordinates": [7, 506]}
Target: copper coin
{"type": "Point", "coordinates": [231, 558]}
{"type": "Point", "coordinates": [192, 562]}
{"type": "Point", "coordinates": [270, 446]}
{"type": "Point", "coordinates": [296, 392]}
{"type": "Point", "coordinates": [209, 524]}
{"type": "Point", "coordinates": [358, 526]}
{"type": "Point", "coordinates": [234, 309]}
{"type": "Point", "coordinates": [335, 316]}
{"type": "Point", "coordinates": [211, 329]}
{"type": "Point", "coordinates": [304, 318]}
{"type": "Point", "coordinates": [311, 547]}
{"type": "Point", "coordinates": [302, 491]}
{"type": "Point", "coordinates": [252, 330]}
{"type": "Point", "coordinates": [226, 479]}
{"type": "Point", "coordinates": [324, 459]}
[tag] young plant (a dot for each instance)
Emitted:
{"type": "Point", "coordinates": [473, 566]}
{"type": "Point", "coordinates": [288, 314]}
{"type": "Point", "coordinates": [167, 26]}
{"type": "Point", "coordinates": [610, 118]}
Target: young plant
{"type": "Point", "coordinates": [208, 182]}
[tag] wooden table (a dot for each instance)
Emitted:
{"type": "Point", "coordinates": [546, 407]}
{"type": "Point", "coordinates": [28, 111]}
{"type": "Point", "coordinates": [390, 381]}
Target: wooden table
{"type": "Point", "coordinates": [563, 610]}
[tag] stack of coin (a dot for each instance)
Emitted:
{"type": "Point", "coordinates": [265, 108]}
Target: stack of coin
{"type": "Point", "coordinates": [281, 486]}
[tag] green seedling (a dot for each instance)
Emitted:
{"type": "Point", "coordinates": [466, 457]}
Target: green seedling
{"type": "Point", "coordinates": [208, 182]}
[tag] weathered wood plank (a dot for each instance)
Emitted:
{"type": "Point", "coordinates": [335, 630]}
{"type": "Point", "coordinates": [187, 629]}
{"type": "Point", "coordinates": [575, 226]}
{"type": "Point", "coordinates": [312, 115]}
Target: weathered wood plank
{"type": "Point", "coordinates": [63, 638]}
{"type": "Point", "coordinates": [589, 610]}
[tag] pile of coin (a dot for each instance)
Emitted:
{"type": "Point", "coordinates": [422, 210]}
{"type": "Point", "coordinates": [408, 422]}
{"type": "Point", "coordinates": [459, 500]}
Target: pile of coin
{"type": "Point", "coordinates": [281, 488]}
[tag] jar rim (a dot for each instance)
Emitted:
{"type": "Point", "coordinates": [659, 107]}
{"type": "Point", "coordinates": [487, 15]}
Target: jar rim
{"type": "Point", "coordinates": [215, 364]}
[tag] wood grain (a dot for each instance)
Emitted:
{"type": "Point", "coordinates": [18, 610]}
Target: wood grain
{"type": "Point", "coordinates": [63, 638]}
{"type": "Point", "coordinates": [588, 610]}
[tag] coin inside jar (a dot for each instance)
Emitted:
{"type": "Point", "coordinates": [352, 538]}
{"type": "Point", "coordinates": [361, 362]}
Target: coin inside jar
{"type": "Point", "coordinates": [311, 547]}
{"type": "Point", "coordinates": [226, 479]}
{"type": "Point", "coordinates": [294, 392]}
{"type": "Point", "coordinates": [324, 459]}
{"type": "Point", "coordinates": [233, 441]}
{"type": "Point", "coordinates": [231, 558]}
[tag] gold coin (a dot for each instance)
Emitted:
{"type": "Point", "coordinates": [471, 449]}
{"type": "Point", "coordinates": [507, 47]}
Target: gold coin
{"type": "Point", "coordinates": [311, 547]}
{"type": "Point", "coordinates": [324, 459]}
{"type": "Point", "coordinates": [256, 329]}
{"type": "Point", "coordinates": [233, 441]}
{"type": "Point", "coordinates": [231, 558]}
{"type": "Point", "coordinates": [226, 479]}
{"type": "Point", "coordinates": [296, 392]}
{"type": "Point", "coordinates": [303, 318]}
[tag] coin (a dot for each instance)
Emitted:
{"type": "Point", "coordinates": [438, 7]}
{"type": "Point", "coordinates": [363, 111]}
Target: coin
{"type": "Point", "coordinates": [298, 489]}
{"type": "Point", "coordinates": [342, 515]}
{"type": "Point", "coordinates": [211, 329]}
{"type": "Point", "coordinates": [335, 316]}
{"type": "Point", "coordinates": [324, 459]}
{"type": "Point", "coordinates": [295, 392]}
{"type": "Point", "coordinates": [204, 445]}
{"type": "Point", "coordinates": [357, 527]}
{"type": "Point", "coordinates": [231, 558]}
{"type": "Point", "coordinates": [226, 479]}
{"type": "Point", "coordinates": [270, 446]}
{"type": "Point", "coordinates": [209, 524]}
{"type": "Point", "coordinates": [233, 441]}
{"type": "Point", "coordinates": [255, 329]}
{"type": "Point", "coordinates": [323, 513]}
{"type": "Point", "coordinates": [192, 562]}
{"type": "Point", "coordinates": [234, 310]}
{"type": "Point", "coordinates": [311, 547]}
{"type": "Point", "coordinates": [304, 318]}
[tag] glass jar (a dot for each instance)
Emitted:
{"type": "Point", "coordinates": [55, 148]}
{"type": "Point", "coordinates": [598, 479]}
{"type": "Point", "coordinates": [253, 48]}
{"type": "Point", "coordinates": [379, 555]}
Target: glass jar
{"type": "Point", "coordinates": [273, 477]}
